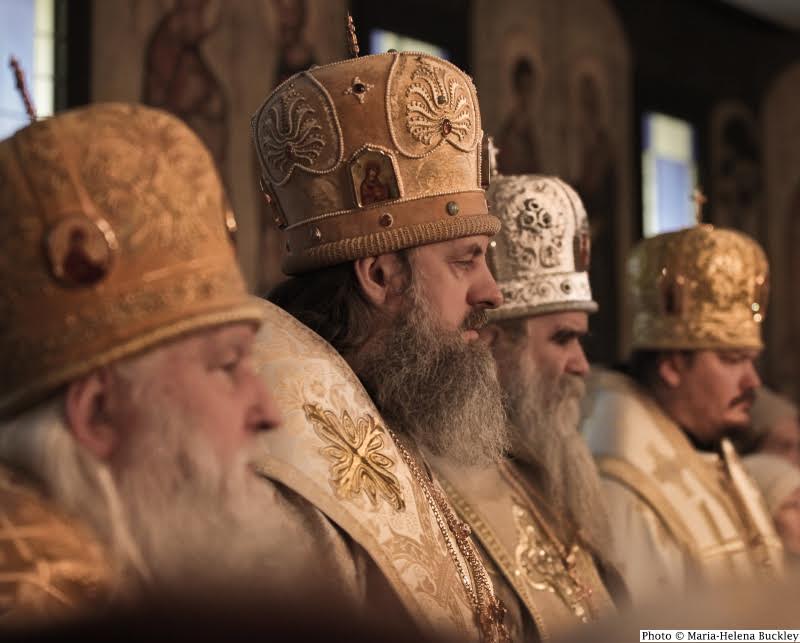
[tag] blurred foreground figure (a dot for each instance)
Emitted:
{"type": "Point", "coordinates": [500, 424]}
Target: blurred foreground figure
{"type": "Point", "coordinates": [779, 481]}
{"type": "Point", "coordinates": [128, 400]}
{"type": "Point", "coordinates": [372, 167]}
{"type": "Point", "coordinates": [729, 607]}
{"type": "Point", "coordinates": [682, 509]}
{"type": "Point", "coordinates": [775, 426]}
{"type": "Point", "coordinates": [538, 513]}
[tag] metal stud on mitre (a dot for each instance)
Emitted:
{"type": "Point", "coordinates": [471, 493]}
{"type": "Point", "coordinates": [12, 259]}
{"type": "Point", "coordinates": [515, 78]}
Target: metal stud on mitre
{"type": "Point", "coordinates": [80, 250]}
{"type": "Point", "coordinates": [273, 206]}
{"type": "Point", "coordinates": [359, 89]}
{"type": "Point", "coordinates": [386, 220]}
{"type": "Point", "coordinates": [452, 208]}
{"type": "Point", "coordinates": [316, 234]}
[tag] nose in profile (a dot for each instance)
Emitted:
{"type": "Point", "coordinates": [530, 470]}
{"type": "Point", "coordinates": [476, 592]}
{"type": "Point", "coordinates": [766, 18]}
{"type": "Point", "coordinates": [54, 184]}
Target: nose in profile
{"type": "Point", "coordinates": [485, 293]}
{"type": "Point", "coordinates": [264, 413]}
{"type": "Point", "coordinates": [750, 379]}
{"type": "Point", "coordinates": [578, 364]}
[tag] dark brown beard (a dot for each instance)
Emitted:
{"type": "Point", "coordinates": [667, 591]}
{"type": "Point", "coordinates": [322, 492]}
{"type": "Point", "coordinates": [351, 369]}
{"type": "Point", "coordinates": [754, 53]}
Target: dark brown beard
{"type": "Point", "coordinates": [429, 383]}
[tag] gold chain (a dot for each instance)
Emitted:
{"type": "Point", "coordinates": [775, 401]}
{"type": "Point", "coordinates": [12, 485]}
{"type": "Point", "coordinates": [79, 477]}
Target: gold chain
{"type": "Point", "coordinates": [582, 594]}
{"type": "Point", "coordinates": [489, 610]}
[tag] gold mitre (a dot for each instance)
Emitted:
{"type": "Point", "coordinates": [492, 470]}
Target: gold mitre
{"type": "Point", "coordinates": [371, 155]}
{"type": "Point", "coordinates": [116, 236]}
{"type": "Point", "coordinates": [540, 258]}
{"type": "Point", "coordinates": [698, 288]}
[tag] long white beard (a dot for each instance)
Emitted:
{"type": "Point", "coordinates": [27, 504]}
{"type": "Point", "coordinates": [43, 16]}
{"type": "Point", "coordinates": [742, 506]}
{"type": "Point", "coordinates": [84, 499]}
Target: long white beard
{"type": "Point", "coordinates": [544, 414]}
{"type": "Point", "coordinates": [173, 514]}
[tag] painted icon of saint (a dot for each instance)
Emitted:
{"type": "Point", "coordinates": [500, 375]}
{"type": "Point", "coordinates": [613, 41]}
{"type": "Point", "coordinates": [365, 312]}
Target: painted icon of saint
{"type": "Point", "coordinates": [373, 190]}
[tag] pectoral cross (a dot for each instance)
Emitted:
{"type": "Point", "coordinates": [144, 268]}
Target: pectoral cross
{"type": "Point", "coordinates": [699, 201]}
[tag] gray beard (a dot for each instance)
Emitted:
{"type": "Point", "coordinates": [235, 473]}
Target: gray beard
{"type": "Point", "coordinates": [172, 511]}
{"type": "Point", "coordinates": [544, 415]}
{"type": "Point", "coordinates": [432, 385]}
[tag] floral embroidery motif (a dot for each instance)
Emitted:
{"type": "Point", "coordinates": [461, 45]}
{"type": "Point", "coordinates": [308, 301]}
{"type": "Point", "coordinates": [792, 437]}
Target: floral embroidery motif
{"type": "Point", "coordinates": [292, 135]}
{"type": "Point", "coordinates": [355, 449]}
{"type": "Point", "coordinates": [540, 234]}
{"type": "Point", "coordinates": [438, 106]}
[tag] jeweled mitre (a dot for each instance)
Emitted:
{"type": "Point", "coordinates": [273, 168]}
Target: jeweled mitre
{"type": "Point", "coordinates": [698, 288]}
{"type": "Point", "coordinates": [114, 236]}
{"type": "Point", "coordinates": [372, 155]}
{"type": "Point", "coordinates": [541, 256]}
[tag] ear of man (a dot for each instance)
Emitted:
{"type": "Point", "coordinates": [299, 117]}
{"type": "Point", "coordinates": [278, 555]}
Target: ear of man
{"type": "Point", "coordinates": [88, 409]}
{"type": "Point", "coordinates": [383, 280]}
{"type": "Point", "coordinates": [671, 368]}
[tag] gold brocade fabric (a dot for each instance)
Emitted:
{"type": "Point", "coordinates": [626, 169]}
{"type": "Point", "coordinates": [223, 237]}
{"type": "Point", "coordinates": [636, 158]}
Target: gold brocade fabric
{"type": "Point", "coordinates": [557, 585]}
{"type": "Point", "coordinates": [370, 155]}
{"type": "Point", "coordinates": [710, 510]}
{"type": "Point", "coordinates": [702, 287]}
{"type": "Point", "coordinates": [51, 568]}
{"type": "Point", "coordinates": [116, 236]}
{"type": "Point", "coordinates": [335, 452]}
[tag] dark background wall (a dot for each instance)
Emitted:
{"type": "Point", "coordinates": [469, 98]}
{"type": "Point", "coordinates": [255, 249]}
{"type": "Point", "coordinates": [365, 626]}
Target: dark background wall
{"type": "Point", "coordinates": [701, 60]}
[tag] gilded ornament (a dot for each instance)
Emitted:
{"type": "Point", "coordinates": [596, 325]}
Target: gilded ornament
{"type": "Point", "coordinates": [356, 450]}
{"type": "Point", "coordinates": [541, 259]}
{"type": "Point", "coordinates": [437, 105]}
{"type": "Point", "coordinates": [51, 566]}
{"type": "Point", "coordinates": [80, 251]}
{"type": "Point", "coordinates": [489, 610]}
{"type": "Point", "coordinates": [22, 88]}
{"type": "Point", "coordinates": [702, 287]}
{"type": "Point", "coordinates": [293, 135]}
{"type": "Point", "coordinates": [328, 161]}
{"type": "Point", "coordinates": [548, 566]}
{"type": "Point", "coordinates": [359, 89]}
{"type": "Point", "coordinates": [352, 39]}
{"type": "Point", "coordinates": [117, 224]}
{"type": "Point", "coordinates": [452, 208]}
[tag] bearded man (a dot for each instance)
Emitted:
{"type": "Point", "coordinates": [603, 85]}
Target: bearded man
{"type": "Point", "coordinates": [128, 400]}
{"type": "Point", "coordinates": [683, 511]}
{"type": "Point", "coordinates": [537, 513]}
{"type": "Point", "coordinates": [394, 290]}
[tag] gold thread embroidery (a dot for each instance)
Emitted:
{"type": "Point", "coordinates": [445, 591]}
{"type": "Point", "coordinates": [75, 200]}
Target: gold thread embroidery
{"type": "Point", "coordinates": [292, 135]}
{"type": "Point", "coordinates": [355, 450]}
{"type": "Point", "coordinates": [489, 610]}
{"type": "Point", "coordinates": [537, 557]}
{"type": "Point", "coordinates": [438, 107]}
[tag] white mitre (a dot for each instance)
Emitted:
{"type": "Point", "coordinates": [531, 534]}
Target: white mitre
{"type": "Point", "coordinates": [540, 258]}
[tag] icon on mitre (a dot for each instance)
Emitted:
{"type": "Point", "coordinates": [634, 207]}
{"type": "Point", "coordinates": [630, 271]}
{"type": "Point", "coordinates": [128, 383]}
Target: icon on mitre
{"type": "Point", "coordinates": [374, 177]}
